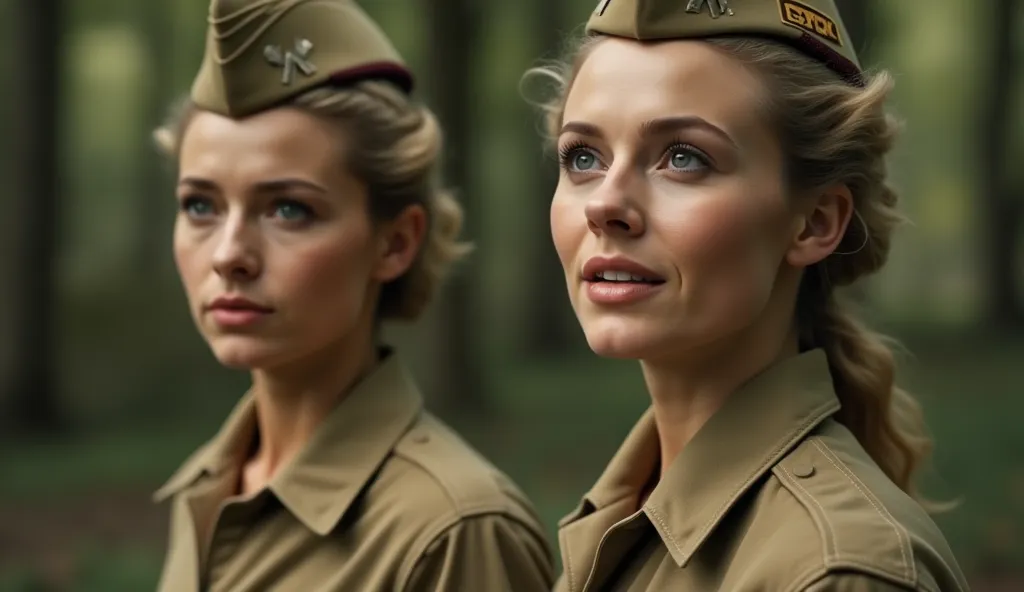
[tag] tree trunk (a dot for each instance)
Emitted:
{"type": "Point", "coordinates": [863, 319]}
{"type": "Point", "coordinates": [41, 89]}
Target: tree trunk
{"type": "Point", "coordinates": [32, 388]}
{"type": "Point", "coordinates": [453, 26]}
{"type": "Point", "coordinates": [155, 19]}
{"type": "Point", "coordinates": [548, 312]}
{"type": "Point", "coordinates": [1000, 201]}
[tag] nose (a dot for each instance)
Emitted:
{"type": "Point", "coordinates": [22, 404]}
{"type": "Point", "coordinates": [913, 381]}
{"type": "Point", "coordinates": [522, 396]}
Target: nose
{"type": "Point", "coordinates": [237, 257]}
{"type": "Point", "coordinates": [612, 213]}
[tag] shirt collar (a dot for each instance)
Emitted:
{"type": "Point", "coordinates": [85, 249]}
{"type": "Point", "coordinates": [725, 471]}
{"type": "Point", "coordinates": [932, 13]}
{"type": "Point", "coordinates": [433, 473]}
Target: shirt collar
{"type": "Point", "coordinates": [749, 434]}
{"type": "Point", "coordinates": [344, 453]}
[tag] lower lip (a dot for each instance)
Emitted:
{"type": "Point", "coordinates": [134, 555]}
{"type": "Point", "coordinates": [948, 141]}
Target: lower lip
{"type": "Point", "coordinates": [619, 292]}
{"type": "Point", "coordinates": [237, 317]}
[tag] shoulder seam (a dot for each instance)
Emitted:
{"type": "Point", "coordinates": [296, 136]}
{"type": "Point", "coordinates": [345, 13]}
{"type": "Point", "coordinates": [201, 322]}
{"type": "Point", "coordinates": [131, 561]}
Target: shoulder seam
{"type": "Point", "coordinates": [902, 537]}
{"type": "Point", "coordinates": [820, 518]}
{"type": "Point", "coordinates": [441, 528]}
{"type": "Point", "coordinates": [401, 451]}
{"type": "Point", "coordinates": [812, 576]}
{"type": "Point", "coordinates": [831, 561]}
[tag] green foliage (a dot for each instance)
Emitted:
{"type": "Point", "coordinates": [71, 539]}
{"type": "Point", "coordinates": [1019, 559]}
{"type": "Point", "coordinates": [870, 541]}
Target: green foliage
{"type": "Point", "coordinates": [146, 391]}
{"type": "Point", "coordinates": [120, 569]}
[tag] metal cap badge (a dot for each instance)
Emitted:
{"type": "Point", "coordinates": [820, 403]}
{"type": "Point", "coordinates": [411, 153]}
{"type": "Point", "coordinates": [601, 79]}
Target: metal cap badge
{"type": "Point", "coordinates": [813, 26]}
{"type": "Point", "coordinates": [261, 52]}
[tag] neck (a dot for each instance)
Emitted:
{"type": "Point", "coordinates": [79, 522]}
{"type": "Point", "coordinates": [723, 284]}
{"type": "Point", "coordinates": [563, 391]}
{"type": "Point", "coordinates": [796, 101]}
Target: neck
{"type": "Point", "coordinates": [686, 393]}
{"type": "Point", "coordinates": [291, 402]}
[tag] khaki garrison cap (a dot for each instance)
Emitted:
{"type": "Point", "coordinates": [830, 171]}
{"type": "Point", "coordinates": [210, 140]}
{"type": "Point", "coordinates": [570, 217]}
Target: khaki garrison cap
{"type": "Point", "coordinates": [813, 26]}
{"type": "Point", "coordinates": [260, 53]}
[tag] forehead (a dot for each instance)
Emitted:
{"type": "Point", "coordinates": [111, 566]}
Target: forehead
{"type": "Point", "coordinates": [281, 141]}
{"type": "Point", "coordinates": [627, 82]}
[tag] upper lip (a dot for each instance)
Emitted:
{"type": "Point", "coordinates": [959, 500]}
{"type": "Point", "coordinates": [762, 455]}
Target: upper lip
{"type": "Point", "coordinates": [600, 265]}
{"type": "Point", "coordinates": [237, 303]}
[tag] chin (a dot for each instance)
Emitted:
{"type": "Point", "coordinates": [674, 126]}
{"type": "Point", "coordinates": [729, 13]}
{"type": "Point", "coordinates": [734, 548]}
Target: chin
{"type": "Point", "coordinates": [620, 338]}
{"type": "Point", "coordinates": [243, 353]}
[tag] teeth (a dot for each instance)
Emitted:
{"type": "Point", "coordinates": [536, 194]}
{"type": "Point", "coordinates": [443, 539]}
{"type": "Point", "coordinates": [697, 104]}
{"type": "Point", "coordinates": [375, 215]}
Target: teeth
{"type": "Point", "coordinates": [619, 276]}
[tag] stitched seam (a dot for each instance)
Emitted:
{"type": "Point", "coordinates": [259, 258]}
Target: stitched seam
{"type": "Point", "coordinates": [569, 574]}
{"type": "Point", "coordinates": [441, 528]}
{"type": "Point", "coordinates": [830, 532]}
{"type": "Point", "coordinates": [419, 548]}
{"type": "Point", "coordinates": [864, 568]}
{"type": "Point", "coordinates": [812, 419]}
{"type": "Point", "coordinates": [664, 526]}
{"type": "Point", "coordinates": [443, 482]}
{"type": "Point", "coordinates": [910, 570]}
{"type": "Point", "coordinates": [806, 578]}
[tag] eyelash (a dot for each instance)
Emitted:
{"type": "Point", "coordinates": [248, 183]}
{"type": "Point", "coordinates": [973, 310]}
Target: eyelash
{"type": "Point", "coordinates": [681, 146]}
{"type": "Point", "coordinates": [565, 153]}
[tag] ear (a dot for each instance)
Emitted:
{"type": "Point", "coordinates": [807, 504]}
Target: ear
{"type": "Point", "coordinates": [821, 226]}
{"type": "Point", "coordinates": [399, 242]}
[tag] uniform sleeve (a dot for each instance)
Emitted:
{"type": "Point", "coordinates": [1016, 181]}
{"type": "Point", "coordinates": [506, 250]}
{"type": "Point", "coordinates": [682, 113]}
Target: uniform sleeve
{"type": "Point", "coordinates": [853, 582]}
{"type": "Point", "coordinates": [493, 553]}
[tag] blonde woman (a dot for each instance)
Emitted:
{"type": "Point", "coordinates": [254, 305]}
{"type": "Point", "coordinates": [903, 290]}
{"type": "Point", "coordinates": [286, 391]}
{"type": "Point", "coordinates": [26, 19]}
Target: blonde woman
{"type": "Point", "coordinates": [723, 174]}
{"type": "Point", "coordinates": [309, 214]}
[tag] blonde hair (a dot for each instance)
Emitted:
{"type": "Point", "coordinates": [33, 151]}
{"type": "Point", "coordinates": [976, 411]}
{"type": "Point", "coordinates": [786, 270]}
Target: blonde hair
{"type": "Point", "coordinates": [830, 132]}
{"type": "Point", "coordinates": [394, 146]}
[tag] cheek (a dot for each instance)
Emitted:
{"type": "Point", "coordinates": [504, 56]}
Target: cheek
{"type": "Point", "coordinates": [568, 228]}
{"type": "Point", "coordinates": [332, 274]}
{"type": "Point", "coordinates": [726, 245]}
{"type": "Point", "coordinates": [190, 260]}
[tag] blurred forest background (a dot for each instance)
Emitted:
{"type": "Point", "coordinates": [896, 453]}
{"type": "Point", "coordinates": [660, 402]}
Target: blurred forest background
{"type": "Point", "coordinates": [105, 386]}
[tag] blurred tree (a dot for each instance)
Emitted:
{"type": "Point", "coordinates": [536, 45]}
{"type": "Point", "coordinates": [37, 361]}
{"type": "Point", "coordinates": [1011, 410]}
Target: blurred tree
{"type": "Point", "coordinates": [546, 307]}
{"type": "Point", "coordinates": [1001, 203]}
{"type": "Point", "coordinates": [36, 90]}
{"type": "Point", "coordinates": [857, 18]}
{"type": "Point", "coordinates": [454, 26]}
{"type": "Point", "coordinates": [156, 19]}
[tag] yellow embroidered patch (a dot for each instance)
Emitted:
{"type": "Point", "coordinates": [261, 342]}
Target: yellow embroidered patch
{"type": "Point", "coordinates": [808, 19]}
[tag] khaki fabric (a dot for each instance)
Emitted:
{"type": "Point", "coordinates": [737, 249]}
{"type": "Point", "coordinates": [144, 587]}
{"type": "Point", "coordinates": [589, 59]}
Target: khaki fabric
{"type": "Point", "coordinates": [259, 53]}
{"type": "Point", "coordinates": [384, 497]}
{"type": "Point", "coordinates": [813, 26]}
{"type": "Point", "coordinates": [772, 494]}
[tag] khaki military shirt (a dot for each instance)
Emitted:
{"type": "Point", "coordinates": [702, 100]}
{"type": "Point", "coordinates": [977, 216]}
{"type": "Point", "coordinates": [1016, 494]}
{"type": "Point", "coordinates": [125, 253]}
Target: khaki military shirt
{"type": "Point", "coordinates": [383, 498]}
{"type": "Point", "coordinates": [771, 495]}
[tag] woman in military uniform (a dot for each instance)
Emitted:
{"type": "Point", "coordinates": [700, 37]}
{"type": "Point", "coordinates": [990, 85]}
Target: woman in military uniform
{"type": "Point", "coordinates": [723, 174]}
{"type": "Point", "coordinates": [309, 214]}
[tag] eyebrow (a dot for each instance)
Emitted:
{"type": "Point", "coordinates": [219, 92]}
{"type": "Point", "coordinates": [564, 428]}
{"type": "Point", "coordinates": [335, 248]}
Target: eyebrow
{"type": "Point", "coordinates": [651, 127]}
{"type": "Point", "coordinates": [275, 185]}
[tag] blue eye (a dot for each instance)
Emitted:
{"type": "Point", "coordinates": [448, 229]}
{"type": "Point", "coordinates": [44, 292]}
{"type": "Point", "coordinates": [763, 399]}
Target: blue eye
{"type": "Point", "coordinates": [197, 207]}
{"type": "Point", "coordinates": [686, 158]}
{"type": "Point", "coordinates": [292, 211]}
{"type": "Point", "coordinates": [583, 161]}
{"type": "Point", "coordinates": [577, 157]}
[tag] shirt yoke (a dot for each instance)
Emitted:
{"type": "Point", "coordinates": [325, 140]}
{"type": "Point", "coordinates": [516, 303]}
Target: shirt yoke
{"type": "Point", "coordinates": [864, 522]}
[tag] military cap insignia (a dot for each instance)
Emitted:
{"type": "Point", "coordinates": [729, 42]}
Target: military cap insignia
{"type": "Point", "coordinates": [801, 16]}
{"type": "Point", "coordinates": [813, 26]}
{"type": "Point", "coordinates": [291, 60]}
{"type": "Point", "coordinates": [716, 7]}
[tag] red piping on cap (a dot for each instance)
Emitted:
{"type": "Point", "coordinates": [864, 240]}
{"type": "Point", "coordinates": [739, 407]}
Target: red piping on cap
{"type": "Point", "coordinates": [831, 58]}
{"type": "Point", "coordinates": [389, 71]}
